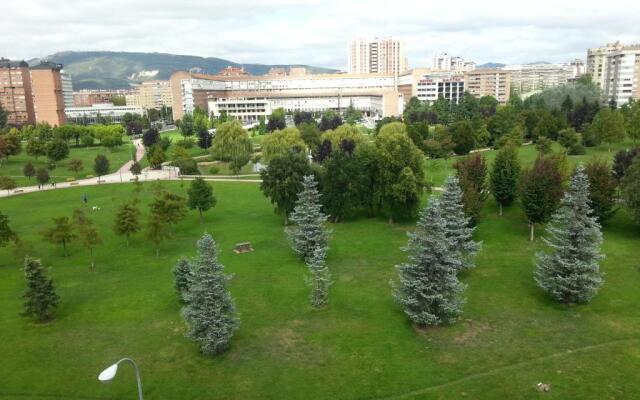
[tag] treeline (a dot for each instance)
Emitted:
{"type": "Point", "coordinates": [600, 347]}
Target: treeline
{"type": "Point", "coordinates": [576, 120]}
{"type": "Point", "coordinates": [355, 175]}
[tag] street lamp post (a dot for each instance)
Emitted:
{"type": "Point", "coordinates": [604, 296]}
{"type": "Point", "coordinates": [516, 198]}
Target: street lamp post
{"type": "Point", "coordinates": [108, 374]}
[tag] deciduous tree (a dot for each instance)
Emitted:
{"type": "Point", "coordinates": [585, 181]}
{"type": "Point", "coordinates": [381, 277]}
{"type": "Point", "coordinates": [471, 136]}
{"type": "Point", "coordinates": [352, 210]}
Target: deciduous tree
{"type": "Point", "coordinates": [61, 232]}
{"type": "Point", "coordinates": [602, 189]}
{"type": "Point", "coordinates": [200, 196]}
{"type": "Point", "coordinates": [232, 144]}
{"type": "Point", "coordinates": [281, 142]}
{"type": "Point", "coordinates": [57, 150]}
{"type": "Point", "coordinates": [608, 126]}
{"type": "Point", "coordinates": [42, 176]}
{"type": "Point", "coordinates": [282, 181]}
{"type": "Point", "coordinates": [101, 165]}
{"type": "Point", "coordinates": [75, 165]}
{"type": "Point", "coordinates": [36, 147]}
{"type": "Point", "coordinates": [87, 232]}
{"type": "Point", "coordinates": [472, 174]}
{"type": "Point", "coordinates": [541, 189]}
{"type": "Point", "coordinates": [7, 183]}
{"type": "Point", "coordinates": [400, 175]}
{"type": "Point", "coordinates": [127, 220]}
{"type": "Point", "coordinates": [631, 188]}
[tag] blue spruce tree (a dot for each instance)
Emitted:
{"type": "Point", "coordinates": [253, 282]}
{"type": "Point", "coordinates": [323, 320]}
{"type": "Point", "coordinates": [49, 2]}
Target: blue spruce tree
{"type": "Point", "coordinates": [210, 312]}
{"type": "Point", "coordinates": [570, 271]}
{"type": "Point", "coordinates": [429, 289]}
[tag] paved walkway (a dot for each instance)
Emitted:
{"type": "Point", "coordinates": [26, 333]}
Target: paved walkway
{"type": "Point", "coordinates": [124, 175]}
{"type": "Point", "coordinates": [140, 150]}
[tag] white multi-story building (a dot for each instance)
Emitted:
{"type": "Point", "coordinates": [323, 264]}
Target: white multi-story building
{"type": "Point", "coordinates": [428, 85]}
{"type": "Point", "coordinates": [251, 109]}
{"type": "Point", "coordinates": [622, 79]}
{"type": "Point", "coordinates": [377, 55]}
{"type": "Point", "coordinates": [90, 115]}
{"type": "Point", "coordinates": [446, 62]}
{"type": "Point", "coordinates": [241, 108]}
{"type": "Point", "coordinates": [371, 93]}
{"type": "Point", "coordinates": [597, 62]}
{"type": "Point", "coordinates": [527, 78]}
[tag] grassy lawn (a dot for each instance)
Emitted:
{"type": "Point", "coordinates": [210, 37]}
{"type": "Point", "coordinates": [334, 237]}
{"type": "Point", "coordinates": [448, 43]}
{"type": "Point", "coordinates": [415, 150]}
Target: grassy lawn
{"type": "Point", "coordinates": [361, 347]}
{"type": "Point", "coordinates": [223, 169]}
{"type": "Point", "coordinates": [436, 170]}
{"type": "Point", "coordinates": [176, 136]}
{"type": "Point", "coordinates": [117, 158]}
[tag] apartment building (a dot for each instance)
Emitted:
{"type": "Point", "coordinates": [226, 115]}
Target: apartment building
{"type": "Point", "coordinates": [374, 94]}
{"type": "Point", "coordinates": [446, 62]}
{"type": "Point", "coordinates": [48, 97]}
{"type": "Point", "coordinates": [16, 97]}
{"type": "Point", "coordinates": [578, 68]}
{"type": "Point", "coordinates": [489, 82]}
{"type": "Point", "coordinates": [151, 94]}
{"type": "Point", "coordinates": [377, 55]}
{"type": "Point", "coordinates": [87, 98]}
{"type": "Point", "coordinates": [597, 62]}
{"type": "Point", "coordinates": [622, 79]}
{"type": "Point", "coordinates": [527, 78]}
{"type": "Point", "coordinates": [430, 85]}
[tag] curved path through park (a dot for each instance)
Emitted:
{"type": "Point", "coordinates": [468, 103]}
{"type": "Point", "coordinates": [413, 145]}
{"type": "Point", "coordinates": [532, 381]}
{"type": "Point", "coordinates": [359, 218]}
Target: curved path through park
{"type": "Point", "coordinates": [123, 175]}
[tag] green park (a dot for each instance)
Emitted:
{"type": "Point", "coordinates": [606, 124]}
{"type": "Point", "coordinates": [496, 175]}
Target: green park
{"type": "Point", "coordinates": [341, 319]}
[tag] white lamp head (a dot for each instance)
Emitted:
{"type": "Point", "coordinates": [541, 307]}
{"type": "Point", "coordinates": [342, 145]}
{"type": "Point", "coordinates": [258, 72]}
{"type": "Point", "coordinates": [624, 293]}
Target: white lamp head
{"type": "Point", "coordinates": [108, 374]}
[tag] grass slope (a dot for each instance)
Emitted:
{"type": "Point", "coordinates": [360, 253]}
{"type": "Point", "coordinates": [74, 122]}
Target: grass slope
{"type": "Point", "coordinates": [436, 170]}
{"type": "Point", "coordinates": [361, 347]}
{"type": "Point", "coordinates": [13, 167]}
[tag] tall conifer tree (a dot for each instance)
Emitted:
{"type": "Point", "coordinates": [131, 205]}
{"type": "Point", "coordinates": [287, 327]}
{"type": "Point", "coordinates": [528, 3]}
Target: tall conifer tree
{"type": "Point", "coordinates": [458, 226]}
{"type": "Point", "coordinates": [428, 288]}
{"type": "Point", "coordinates": [320, 278]}
{"type": "Point", "coordinates": [504, 176]}
{"type": "Point", "coordinates": [210, 312]}
{"type": "Point", "coordinates": [570, 271]}
{"type": "Point", "coordinates": [40, 298]}
{"type": "Point", "coordinates": [309, 231]}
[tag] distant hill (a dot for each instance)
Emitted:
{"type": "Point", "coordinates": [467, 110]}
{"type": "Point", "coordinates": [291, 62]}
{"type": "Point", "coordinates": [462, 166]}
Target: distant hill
{"type": "Point", "coordinates": [491, 65]}
{"type": "Point", "coordinates": [117, 70]}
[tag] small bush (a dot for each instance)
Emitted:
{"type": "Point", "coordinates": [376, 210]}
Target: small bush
{"type": "Point", "coordinates": [214, 170]}
{"type": "Point", "coordinates": [185, 143]}
{"type": "Point", "coordinates": [576, 150]}
{"type": "Point", "coordinates": [188, 166]}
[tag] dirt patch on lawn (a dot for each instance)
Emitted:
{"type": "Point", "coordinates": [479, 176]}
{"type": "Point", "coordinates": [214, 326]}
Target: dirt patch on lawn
{"type": "Point", "coordinates": [471, 330]}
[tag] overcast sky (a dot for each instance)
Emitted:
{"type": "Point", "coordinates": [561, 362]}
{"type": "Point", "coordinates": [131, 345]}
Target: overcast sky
{"type": "Point", "coordinates": [317, 32]}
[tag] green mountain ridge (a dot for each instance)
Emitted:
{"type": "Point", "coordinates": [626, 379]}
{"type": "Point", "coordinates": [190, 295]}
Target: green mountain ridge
{"type": "Point", "coordinates": [119, 70]}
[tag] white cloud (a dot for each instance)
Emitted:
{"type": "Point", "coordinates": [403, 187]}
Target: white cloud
{"type": "Point", "coordinates": [317, 32]}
